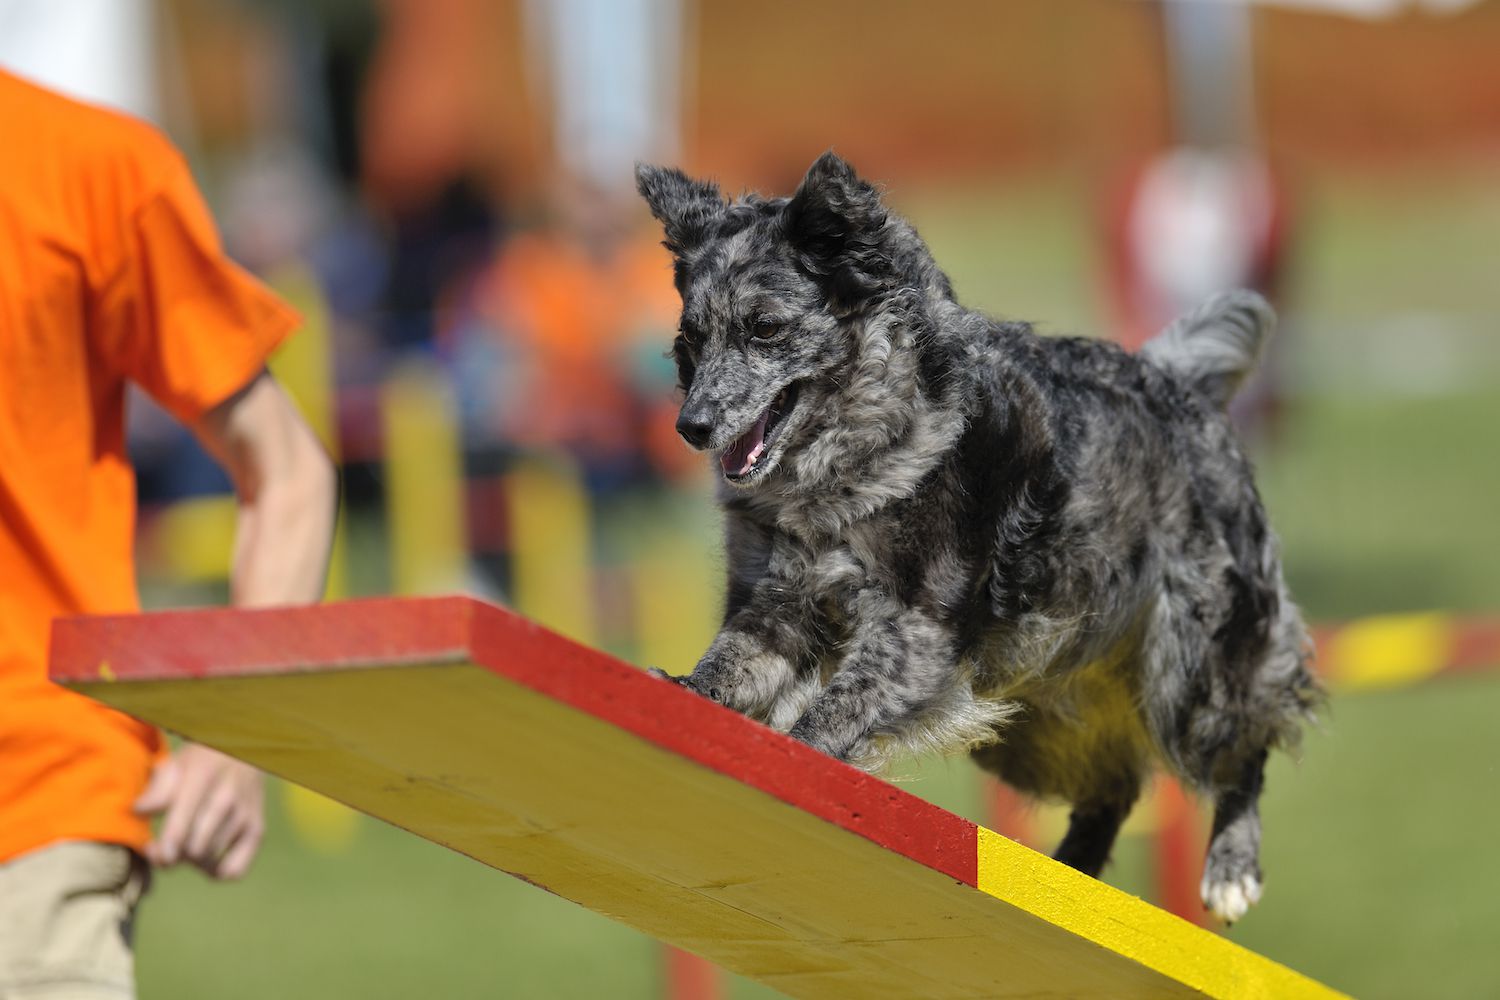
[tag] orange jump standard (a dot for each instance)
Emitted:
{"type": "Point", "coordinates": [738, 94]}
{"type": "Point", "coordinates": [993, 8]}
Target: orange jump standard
{"type": "Point", "coordinates": [481, 731]}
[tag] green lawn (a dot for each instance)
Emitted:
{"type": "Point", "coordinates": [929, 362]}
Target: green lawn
{"type": "Point", "coordinates": [1380, 850]}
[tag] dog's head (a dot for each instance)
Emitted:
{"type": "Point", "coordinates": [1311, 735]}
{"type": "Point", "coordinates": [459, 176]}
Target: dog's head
{"type": "Point", "coordinates": [769, 287]}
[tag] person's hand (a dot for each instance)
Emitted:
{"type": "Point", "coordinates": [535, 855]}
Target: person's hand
{"type": "Point", "coordinates": [212, 809]}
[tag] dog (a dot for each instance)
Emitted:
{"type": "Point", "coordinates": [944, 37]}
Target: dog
{"type": "Point", "coordinates": [946, 533]}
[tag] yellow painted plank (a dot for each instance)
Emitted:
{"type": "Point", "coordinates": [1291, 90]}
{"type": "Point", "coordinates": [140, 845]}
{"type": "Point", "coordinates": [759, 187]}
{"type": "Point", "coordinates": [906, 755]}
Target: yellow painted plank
{"type": "Point", "coordinates": [689, 856]}
{"type": "Point", "coordinates": [478, 730]}
{"type": "Point", "coordinates": [1132, 927]}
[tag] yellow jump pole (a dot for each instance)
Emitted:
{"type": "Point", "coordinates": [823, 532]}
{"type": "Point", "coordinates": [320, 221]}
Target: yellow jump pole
{"type": "Point", "coordinates": [423, 481]}
{"type": "Point", "coordinates": [551, 541]}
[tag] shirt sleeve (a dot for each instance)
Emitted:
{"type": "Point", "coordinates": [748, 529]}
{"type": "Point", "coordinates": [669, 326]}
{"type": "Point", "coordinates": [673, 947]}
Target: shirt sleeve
{"type": "Point", "coordinates": [176, 315]}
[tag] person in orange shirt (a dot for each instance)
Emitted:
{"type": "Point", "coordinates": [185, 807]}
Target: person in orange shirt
{"type": "Point", "coordinates": [111, 271]}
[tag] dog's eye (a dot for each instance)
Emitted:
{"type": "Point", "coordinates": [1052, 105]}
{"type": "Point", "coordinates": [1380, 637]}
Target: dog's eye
{"type": "Point", "coordinates": [765, 329]}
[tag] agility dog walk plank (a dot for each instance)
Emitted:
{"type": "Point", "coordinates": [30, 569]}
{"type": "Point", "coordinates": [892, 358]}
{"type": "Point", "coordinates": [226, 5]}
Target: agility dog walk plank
{"type": "Point", "coordinates": [481, 731]}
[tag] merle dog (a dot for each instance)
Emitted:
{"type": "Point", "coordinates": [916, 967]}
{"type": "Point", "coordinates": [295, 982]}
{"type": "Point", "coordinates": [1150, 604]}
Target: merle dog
{"type": "Point", "coordinates": [946, 533]}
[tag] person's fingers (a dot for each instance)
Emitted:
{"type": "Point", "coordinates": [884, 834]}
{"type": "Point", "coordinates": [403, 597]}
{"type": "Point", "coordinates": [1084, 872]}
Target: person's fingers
{"type": "Point", "coordinates": [224, 838]}
{"type": "Point", "coordinates": [238, 858]}
{"type": "Point", "coordinates": [211, 822]}
{"type": "Point", "coordinates": [245, 812]}
{"type": "Point", "coordinates": [212, 808]}
{"type": "Point", "coordinates": [159, 788]}
{"type": "Point", "coordinates": [192, 784]}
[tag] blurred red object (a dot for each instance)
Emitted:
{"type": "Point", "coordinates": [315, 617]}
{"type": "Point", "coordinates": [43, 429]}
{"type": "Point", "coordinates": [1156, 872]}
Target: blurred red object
{"type": "Point", "coordinates": [1186, 224]}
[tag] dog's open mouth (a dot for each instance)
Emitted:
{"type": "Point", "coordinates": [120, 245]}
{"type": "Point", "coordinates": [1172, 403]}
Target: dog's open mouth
{"type": "Point", "coordinates": [739, 459]}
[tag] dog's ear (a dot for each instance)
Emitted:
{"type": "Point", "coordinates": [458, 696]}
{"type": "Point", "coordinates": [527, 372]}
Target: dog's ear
{"type": "Point", "coordinates": [687, 209]}
{"type": "Point", "coordinates": [837, 223]}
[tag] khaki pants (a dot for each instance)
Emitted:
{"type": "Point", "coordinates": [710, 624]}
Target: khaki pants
{"type": "Point", "coordinates": [66, 913]}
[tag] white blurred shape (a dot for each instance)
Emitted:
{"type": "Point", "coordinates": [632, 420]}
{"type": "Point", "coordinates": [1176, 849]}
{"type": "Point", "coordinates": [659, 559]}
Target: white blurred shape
{"type": "Point", "coordinates": [1352, 8]}
{"type": "Point", "coordinates": [101, 51]}
{"type": "Point", "coordinates": [1198, 223]}
{"type": "Point", "coordinates": [614, 69]}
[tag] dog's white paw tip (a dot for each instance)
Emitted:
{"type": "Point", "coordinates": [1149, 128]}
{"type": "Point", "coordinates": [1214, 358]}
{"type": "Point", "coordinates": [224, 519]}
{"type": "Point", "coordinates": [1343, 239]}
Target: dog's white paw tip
{"type": "Point", "coordinates": [1229, 901]}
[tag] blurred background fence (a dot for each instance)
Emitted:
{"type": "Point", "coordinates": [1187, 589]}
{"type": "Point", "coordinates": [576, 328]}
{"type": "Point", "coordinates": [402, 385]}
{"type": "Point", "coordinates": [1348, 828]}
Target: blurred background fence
{"type": "Point", "coordinates": [443, 187]}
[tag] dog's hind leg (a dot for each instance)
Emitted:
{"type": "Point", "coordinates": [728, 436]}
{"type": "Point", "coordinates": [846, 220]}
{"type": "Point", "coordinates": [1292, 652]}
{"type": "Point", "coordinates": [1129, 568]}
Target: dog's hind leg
{"type": "Point", "coordinates": [1231, 873]}
{"type": "Point", "coordinates": [1086, 750]}
{"type": "Point", "coordinates": [1217, 701]}
{"type": "Point", "coordinates": [1092, 830]}
{"type": "Point", "coordinates": [1104, 787]}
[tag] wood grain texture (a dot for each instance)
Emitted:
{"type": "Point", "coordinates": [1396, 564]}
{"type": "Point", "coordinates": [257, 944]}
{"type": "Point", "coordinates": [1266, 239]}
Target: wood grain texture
{"type": "Point", "coordinates": [479, 730]}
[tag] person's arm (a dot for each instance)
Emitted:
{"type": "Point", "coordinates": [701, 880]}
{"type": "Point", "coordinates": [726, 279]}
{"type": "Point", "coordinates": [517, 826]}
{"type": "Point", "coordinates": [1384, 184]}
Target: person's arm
{"type": "Point", "coordinates": [286, 488]}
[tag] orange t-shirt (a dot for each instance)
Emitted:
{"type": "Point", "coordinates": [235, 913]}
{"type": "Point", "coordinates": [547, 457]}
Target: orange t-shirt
{"type": "Point", "coordinates": [110, 269]}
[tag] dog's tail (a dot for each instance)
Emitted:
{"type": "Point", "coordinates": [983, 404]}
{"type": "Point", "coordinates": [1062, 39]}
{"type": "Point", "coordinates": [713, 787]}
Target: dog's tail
{"type": "Point", "coordinates": [1216, 345]}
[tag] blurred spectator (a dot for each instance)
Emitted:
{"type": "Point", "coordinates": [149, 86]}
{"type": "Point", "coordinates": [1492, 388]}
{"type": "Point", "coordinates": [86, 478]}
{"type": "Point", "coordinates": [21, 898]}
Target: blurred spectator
{"type": "Point", "coordinates": [435, 248]}
{"type": "Point", "coordinates": [580, 312]}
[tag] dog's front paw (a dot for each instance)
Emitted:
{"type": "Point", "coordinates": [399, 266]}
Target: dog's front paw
{"type": "Point", "coordinates": [817, 737]}
{"type": "Point", "coordinates": [688, 682]}
{"type": "Point", "coordinates": [1230, 887]}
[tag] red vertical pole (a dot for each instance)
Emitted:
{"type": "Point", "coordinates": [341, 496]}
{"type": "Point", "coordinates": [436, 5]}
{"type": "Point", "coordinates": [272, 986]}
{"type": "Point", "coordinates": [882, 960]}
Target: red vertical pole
{"type": "Point", "coordinates": [689, 977]}
{"type": "Point", "coordinates": [1008, 814]}
{"type": "Point", "coordinates": [1178, 853]}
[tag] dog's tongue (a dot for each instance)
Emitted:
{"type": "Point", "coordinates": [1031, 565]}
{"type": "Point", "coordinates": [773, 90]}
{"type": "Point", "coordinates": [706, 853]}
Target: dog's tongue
{"type": "Point", "coordinates": [741, 456]}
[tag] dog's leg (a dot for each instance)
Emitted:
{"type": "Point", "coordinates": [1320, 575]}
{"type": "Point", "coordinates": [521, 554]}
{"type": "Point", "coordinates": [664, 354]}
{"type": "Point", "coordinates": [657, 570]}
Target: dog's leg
{"type": "Point", "coordinates": [756, 658]}
{"type": "Point", "coordinates": [1072, 754]}
{"type": "Point", "coordinates": [1091, 835]}
{"type": "Point", "coordinates": [743, 670]}
{"type": "Point", "coordinates": [1231, 874]}
{"type": "Point", "coordinates": [895, 664]}
{"type": "Point", "coordinates": [1215, 707]}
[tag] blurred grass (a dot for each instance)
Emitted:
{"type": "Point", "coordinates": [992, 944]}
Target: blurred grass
{"type": "Point", "coordinates": [1389, 504]}
{"type": "Point", "coordinates": [1384, 487]}
{"type": "Point", "coordinates": [1379, 847]}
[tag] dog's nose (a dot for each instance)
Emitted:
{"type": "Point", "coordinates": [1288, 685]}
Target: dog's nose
{"type": "Point", "coordinates": [695, 426]}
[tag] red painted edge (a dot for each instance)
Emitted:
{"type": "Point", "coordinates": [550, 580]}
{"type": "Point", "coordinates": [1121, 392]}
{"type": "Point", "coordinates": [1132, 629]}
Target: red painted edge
{"type": "Point", "coordinates": [1180, 841]}
{"type": "Point", "coordinates": [1476, 646]}
{"type": "Point", "coordinates": [1322, 636]}
{"type": "Point", "coordinates": [689, 977]}
{"type": "Point", "coordinates": [175, 645]}
{"type": "Point", "coordinates": [207, 642]}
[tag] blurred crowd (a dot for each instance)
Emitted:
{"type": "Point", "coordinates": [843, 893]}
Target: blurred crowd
{"type": "Point", "coordinates": [326, 138]}
{"type": "Point", "coordinates": [450, 180]}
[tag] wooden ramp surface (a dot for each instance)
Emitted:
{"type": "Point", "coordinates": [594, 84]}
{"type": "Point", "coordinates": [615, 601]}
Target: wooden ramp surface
{"type": "Point", "coordinates": [474, 728]}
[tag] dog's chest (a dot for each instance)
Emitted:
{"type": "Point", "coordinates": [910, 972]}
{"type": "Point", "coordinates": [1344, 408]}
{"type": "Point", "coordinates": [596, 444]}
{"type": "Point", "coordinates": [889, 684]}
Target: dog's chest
{"type": "Point", "coordinates": [826, 572]}
{"type": "Point", "coordinates": [832, 572]}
